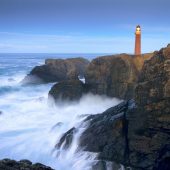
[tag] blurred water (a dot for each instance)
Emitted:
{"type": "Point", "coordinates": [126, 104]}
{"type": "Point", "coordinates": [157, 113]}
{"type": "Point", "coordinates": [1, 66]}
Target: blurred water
{"type": "Point", "coordinates": [28, 121]}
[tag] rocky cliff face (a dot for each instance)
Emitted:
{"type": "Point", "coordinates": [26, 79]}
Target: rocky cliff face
{"type": "Point", "coordinates": [55, 70]}
{"type": "Point", "coordinates": [143, 135]}
{"type": "Point", "coordinates": [151, 134]}
{"type": "Point", "coordinates": [115, 76]}
{"type": "Point", "coordinates": [136, 133]}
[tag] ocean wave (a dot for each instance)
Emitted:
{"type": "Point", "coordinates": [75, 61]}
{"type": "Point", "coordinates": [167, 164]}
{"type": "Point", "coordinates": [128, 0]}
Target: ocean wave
{"type": "Point", "coordinates": [28, 119]}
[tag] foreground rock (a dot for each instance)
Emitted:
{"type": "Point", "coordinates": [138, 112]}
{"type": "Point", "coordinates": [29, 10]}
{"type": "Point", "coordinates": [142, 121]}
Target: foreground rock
{"type": "Point", "coordinates": [136, 133]}
{"type": "Point", "coordinates": [141, 137]}
{"type": "Point", "coordinates": [150, 136]}
{"type": "Point", "coordinates": [55, 70]}
{"type": "Point", "coordinates": [7, 164]}
{"type": "Point", "coordinates": [116, 75]}
{"type": "Point", "coordinates": [71, 90]}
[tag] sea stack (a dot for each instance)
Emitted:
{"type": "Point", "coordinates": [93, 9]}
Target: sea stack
{"type": "Point", "coordinates": [138, 40]}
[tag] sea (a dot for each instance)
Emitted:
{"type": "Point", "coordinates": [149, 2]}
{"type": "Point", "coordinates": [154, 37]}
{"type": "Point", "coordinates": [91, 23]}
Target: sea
{"type": "Point", "coordinates": [31, 125]}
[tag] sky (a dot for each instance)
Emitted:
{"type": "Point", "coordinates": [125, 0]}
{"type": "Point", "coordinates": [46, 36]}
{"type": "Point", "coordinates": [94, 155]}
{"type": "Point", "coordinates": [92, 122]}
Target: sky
{"type": "Point", "coordinates": [82, 26]}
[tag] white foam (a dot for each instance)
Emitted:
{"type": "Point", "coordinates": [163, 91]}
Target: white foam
{"type": "Point", "coordinates": [27, 126]}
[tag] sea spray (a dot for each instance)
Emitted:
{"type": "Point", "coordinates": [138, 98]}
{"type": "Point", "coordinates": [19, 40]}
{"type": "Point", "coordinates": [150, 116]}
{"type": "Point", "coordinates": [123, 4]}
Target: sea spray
{"type": "Point", "coordinates": [27, 121]}
{"type": "Point", "coordinates": [31, 126]}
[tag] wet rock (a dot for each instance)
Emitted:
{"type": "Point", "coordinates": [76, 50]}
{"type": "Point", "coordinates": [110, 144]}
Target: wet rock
{"type": "Point", "coordinates": [66, 139]}
{"type": "Point", "coordinates": [137, 137]}
{"type": "Point", "coordinates": [149, 125]}
{"type": "Point", "coordinates": [70, 90]}
{"type": "Point", "coordinates": [32, 79]}
{"type": "Point", "coordinates": [106, 134]}
{"type": "Point", "coordinates": [104, 165]}
{"type": "Point", "coordinates": [7, 164]}
{"type": "Point", "coordinates": [25, 161]}
{"type": "Point", "coordinates": [55, 70]}
{"type": "Point", "coordinates": [99, 165]}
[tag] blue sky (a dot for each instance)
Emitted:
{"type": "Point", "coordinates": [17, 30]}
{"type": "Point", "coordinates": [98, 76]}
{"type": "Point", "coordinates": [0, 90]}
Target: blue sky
{"type": "Point", "coordinates": [82, 26]}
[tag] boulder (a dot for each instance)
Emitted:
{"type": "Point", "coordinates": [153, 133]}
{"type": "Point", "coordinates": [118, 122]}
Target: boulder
{"type": "Point", "coordinates": [55, 70]}
{"type": "Point", "coordinates": [7, 164]}
{"type": "Point", "coordinates": [70, 90]}
{"type": "Point", "coordinates": [116, 75]}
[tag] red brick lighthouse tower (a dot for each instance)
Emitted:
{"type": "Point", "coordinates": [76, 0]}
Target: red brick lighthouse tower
{"type": "Point", "coordinates": [138, 40]}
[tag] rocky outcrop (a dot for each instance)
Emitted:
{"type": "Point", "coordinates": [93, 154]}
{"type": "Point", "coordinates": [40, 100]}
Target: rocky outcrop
{"type": "Point", "coordinates": [66, 139]}
{"type": "Point", "coordinates": [106, 134]}
{"type": "Point", "coordinates": [7, 164]}
{"type": "Point", "coordinates": [70, 90]}
{"type": "Point", "coordinates": [55, 70]}
{"type": "Point", "coordinates": [150, 135]}
{"type": "Point", "coordinates": [116, 75]}
{"type": "Point", "coordinates": [136, 133]}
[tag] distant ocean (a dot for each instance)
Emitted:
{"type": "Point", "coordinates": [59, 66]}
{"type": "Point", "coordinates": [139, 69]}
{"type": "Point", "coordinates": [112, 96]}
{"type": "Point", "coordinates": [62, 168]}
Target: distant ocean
{"type": "Point", "coordinates": [30, 126]}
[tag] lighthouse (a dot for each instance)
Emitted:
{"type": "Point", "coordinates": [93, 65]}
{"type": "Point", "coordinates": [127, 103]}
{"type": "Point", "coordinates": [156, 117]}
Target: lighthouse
{"type": "Point", "coordinates": [138, 40]}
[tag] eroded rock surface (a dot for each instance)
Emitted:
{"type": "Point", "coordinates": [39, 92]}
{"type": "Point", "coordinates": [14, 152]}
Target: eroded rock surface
{"type": "Point", "coordinates": [149, 125]}
{"type": "Point", "coordinates": [55, 70]}
{"type": "Point", "coordinates": [136, 133]}
{"type": "Point", "coordinates": [116, 75]}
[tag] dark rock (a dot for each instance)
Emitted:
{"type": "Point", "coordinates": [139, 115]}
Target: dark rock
{"type": "Point", "coordinates": [106, 134]}
{"type": "Point", "coordinates": [104, 165]}
{"type": "Point", "coordinates": [66, 139]}
{"type": "Point", "coordinates": [25, 161]}
{"type": "Point", "coordinates": [1, 112]}
{"type": "Point", "coordinates": [164, 164]}
{"type": "Point", "coordinates": [70, 90]}
{"type": "Point", "coordinates": [99, 165]}
{"type": "Point", "coordinates": [7, 164]}
{"type": "Point", "coordinates": [138, 136]}
{"type": "Point", "coordinates": [57, 125]}
{"type": "Point", "coordinates": [116, 75]}
{"type": "Point", "coordinates": [55, 70]}
{"type": "Point", "coordinates": [149, 124]}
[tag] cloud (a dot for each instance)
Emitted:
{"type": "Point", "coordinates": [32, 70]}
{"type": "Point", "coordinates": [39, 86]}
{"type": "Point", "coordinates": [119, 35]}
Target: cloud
{"type": "Point", "coordinates": [46, 43]}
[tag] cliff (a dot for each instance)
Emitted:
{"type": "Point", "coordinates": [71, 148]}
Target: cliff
{"type": "Point", "coordinates": [150, 138]}
{"type": "Point", "coordinates": [116, 75]}
{"type": "Point", "coordinates": [136, 133]}
{"type": "Point", "coordinates": [55, 70]}
{"type": "Point", "coordinates": [137, 136]}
